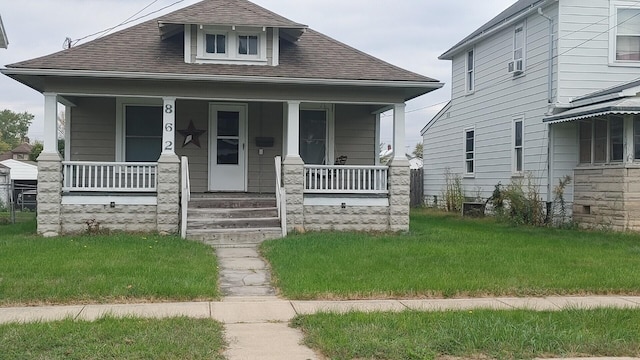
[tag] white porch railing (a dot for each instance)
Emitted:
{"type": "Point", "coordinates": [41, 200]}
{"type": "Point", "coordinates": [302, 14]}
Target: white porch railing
{"type": "Point", "coordinates": [343, 179]}
{"type": "Point", "coordinates": [185, 195]}
{"type": "Point", "coordinates": [281, 197]}
{"type": "Point", "coordinates": [109, 176]}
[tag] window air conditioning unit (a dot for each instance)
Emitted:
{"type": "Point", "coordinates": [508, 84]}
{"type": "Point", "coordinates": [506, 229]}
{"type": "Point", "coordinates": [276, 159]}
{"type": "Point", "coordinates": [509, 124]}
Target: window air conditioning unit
{"type": "Point", "coordinates": [516, 67]}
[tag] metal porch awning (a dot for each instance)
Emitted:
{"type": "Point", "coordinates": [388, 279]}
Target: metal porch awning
{"type": "Point", "coordinates": [630, 105]}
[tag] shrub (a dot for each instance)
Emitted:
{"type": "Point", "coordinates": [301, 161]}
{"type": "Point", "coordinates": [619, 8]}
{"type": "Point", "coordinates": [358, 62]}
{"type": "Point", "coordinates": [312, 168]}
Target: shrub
{"type": "Point", "coordinates": [453, 194]}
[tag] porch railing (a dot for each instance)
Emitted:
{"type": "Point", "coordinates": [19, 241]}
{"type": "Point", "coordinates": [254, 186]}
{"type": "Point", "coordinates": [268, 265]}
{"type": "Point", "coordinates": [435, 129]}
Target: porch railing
{"type": "Point", "coordinates": [185, 195]}
{"type": "Point", "coordinates": [281, 197]}
{"type": "Point", "coordinates": [109, 176]}
{"type": "Point", "coordinates": [343, 179]}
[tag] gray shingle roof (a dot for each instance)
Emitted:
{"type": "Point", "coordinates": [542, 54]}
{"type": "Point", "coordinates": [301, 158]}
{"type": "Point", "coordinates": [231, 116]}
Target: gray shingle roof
{"type": "Point", "coordinates": [140, 49]}
{"type": "Point", "coordinates": [506, 15]}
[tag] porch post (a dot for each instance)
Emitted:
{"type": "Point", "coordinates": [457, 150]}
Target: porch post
{"type": "Point", "coordinates": [50, 172]}
{"type": "Point", "coordinates": [168, 187]}
{"type": "Point", "coordinates": [399, 175]}
{"type": "Point", "coordinates": [293, 169]}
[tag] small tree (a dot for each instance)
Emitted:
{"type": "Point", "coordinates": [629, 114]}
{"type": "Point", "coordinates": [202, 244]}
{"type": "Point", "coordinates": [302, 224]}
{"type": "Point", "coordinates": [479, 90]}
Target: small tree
{"type": "Point", "coordinates": [14, 127]}
{"type": "Point", "coordinates": [418, 151]}
{"type": "Point", "coordinates": [37, 149]}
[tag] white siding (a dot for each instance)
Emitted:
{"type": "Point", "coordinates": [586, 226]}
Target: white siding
{"type": "Point", "coordinates": [584, 50]}
{"type": "Point", "coordinates": [499, 97]}
{"type": "Point", "coordinates": [564, 156]}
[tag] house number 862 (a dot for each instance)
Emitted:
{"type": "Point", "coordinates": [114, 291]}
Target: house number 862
{"type": "Point", "coordinates": [168, 109]}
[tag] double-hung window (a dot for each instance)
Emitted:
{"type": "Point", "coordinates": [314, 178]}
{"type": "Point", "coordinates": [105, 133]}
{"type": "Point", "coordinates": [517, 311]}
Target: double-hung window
{"type": "Point", "coordinates": [470, 83]}
{"type": "Point", "coordinates": [517, 65]}
{"type": "Point", "coordinates": [625, 34]}
{"type": "Point", "coordinates": [469, 151]}
{"type": "Point", "coordinates": [142, 133]}
{"type": "Point", "coordinates": [601, 140]}
{"type": "Point", "coordinates": [518, 143]}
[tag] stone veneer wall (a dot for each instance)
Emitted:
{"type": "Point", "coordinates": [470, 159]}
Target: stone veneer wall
{"type": "Point", "coordinates": [351, 218]}
{"type": "Point", "coordinates": [607, 197]}
{"type": "Point", "coordinates": [168, 210]}
{"type": "Point", "coordinates": [49, 194]}
{"type": "Point", "coordinates": [133, 218]}
{"type": "Point", "coordinates": [292, 178]}
{"type": "Point", "coordinates": [399, 194]}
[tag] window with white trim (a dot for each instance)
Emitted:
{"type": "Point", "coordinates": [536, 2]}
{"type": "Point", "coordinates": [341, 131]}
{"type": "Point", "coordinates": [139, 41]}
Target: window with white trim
{"type": "Point", "coordinates": [518, 145]}
{"type": "Point", "coordinates": [470, 71]}
{"type": "Point", "coordinates": [625, 33]}
{"type": "Point", "coordinates": [517, 66]}
{"type": "Point", "coordinates": [469, 151]}
{"type": "Point", "coordinates": [601, 140]}
{"type": "Point", "coordinates": [142, 133]}
{"type": "Point", "coordinates": [219, 44]}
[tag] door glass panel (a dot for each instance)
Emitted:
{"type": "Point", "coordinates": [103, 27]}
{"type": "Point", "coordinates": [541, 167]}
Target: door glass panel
{"type": "Point", "coordinates": [228, 123]}
{"type": "Point", "coordinates": [228, 150]}
{"type": "Point", "coordinates": [313, 136]}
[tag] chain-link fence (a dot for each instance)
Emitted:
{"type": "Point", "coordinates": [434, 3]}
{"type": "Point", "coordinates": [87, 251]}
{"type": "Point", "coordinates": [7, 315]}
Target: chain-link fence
{"type": "Point", "coordinates": [17, 202]}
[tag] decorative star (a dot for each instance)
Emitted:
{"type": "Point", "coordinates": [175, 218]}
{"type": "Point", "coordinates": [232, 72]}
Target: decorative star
{"type": "Point", "coordinates": [191, 135]}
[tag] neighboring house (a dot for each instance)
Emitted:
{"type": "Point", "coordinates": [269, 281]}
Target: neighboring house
{"type": "Point", "coordinates": [20, 152]}
{"type": "Point", "coordinates": [23, 176]}
{"type": "Point", "coordinates": [227, 85]}
{"type": "Point", "coordinates": [4, 40]}
{"type": "Point", "coordinates": [520, 107]}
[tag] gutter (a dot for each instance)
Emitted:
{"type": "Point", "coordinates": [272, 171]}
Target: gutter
{"type": "Point", "coordinates": [222, 78]}
{"type": "Point", "coordinates": [451, 52]}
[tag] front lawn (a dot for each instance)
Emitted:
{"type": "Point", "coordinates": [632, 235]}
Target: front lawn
{"type": "Point", "coordinates": [111, 338]}
{"type": "Point", "coordinates": [102, 268]}
{"type": "Point", "coordinates": [445, 256]}
{"type": "Point", "coordinates": [477, 334]}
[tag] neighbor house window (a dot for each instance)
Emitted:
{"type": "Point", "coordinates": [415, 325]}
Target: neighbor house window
{"type": "Point", "coordinates": [517, 66]}
{"type": "Point", "coordinates": [142, 133]}
{"type": "Point", "coordinates": [216, 44]}
{"type": "Point", "coordinates": [625, 35]}
{"type": "Point", "coordinates": [469, 151]}
{"type": "Point", "coordinates": [470, 71]}
{"type": "Point", "coordinates": [518, 146]}
{"type": "Point", "coordinates": [601, 140]}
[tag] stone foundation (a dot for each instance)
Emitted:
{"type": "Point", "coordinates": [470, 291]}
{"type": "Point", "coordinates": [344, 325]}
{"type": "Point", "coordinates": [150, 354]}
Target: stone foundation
{"type": "Point", "coordinates": [399, 194]}
{"type": "Point", "coordinates": [168, 210]}
{"type": "Point", "coordinates": [130, 218]}
{"type": "Point", "coordinates": [607, 197]}
{"type": "Point", "coordinates": [49, 194]}
{"type": "Point", "coordinates": [292, 178]}
{"type": "Point", "coordinates": [351, 218]}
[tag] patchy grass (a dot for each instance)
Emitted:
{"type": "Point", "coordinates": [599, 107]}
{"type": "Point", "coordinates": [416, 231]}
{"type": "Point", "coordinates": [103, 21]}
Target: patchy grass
{"type": "Point", "coordinates": [445, 256]}
{"type": "Point", "coordinates": [110, 338]}
{"type": "Point", "coordinates": [477, 334]}
{"type": "Point", "coordinates": [102, 268]}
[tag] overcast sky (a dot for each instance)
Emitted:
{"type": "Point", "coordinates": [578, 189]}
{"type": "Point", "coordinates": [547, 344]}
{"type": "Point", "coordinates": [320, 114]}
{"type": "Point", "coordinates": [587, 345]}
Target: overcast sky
{"type": "Point", "coordinates": [408, 33]}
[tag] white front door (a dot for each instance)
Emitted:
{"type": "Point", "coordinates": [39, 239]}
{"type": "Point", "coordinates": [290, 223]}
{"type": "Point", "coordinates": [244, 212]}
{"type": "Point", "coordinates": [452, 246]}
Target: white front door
{"type": "Point", "coordinates": [227, 147]}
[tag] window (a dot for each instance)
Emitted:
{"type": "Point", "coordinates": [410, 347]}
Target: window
{"type": "Point", "coordinates": [220, 44]}
{"type": "Point", "coordinates": [469, 151]}
{"type": "Point", "coordinates": [517, 146]}
{"type": "Point", "coordinates": [517, 65]}
{"type": "Point", "coordinates": [248, 45]}
{"type": "Point", "coordinates": [636, 137]}
{"type": "Point", "coordinates": [142, 133]}
{"type": "Point", "coordinates": [313, 136]}
{"type": "Point", "coordinates": [601, 140]}
{"type": "Point", "coordinates": [216, 44]}
{"type": "Point", "coordinates": [470, 71]}
{"type": "Point", "coordinates": [627, 34]}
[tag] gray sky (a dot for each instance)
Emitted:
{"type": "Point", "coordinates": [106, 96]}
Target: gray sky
{"type": "Point", "coordinates": [408, 33]}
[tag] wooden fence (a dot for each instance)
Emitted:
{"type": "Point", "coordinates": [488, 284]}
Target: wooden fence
{"type": "Point", "coordinates": [417, 188]}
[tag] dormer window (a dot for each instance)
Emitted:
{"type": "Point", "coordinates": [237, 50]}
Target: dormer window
{"type": "Point", "coordinates": [237, 45]}
{"type": "Point", "coordinates": [216, 43]}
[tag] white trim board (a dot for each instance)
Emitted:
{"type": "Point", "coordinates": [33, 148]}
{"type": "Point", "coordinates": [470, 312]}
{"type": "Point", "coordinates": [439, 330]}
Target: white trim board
{"type": "Point", "coordinates": [108, 199]}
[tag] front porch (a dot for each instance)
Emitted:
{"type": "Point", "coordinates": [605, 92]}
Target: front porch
{"type": "Point", "coordinates": [206, 146]}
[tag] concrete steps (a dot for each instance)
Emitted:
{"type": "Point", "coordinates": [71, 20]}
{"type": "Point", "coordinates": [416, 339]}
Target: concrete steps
{"type": "Point", "coordinates": [232, 220]}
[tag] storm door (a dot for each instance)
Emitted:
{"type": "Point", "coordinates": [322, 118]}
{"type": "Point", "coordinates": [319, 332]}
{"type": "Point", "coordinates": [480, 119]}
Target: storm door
{"type": "Point", "coordinates": [227, 147]}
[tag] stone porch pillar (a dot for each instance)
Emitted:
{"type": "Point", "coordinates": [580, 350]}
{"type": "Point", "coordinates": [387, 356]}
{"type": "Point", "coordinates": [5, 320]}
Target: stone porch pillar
{"type": "Point", "coordinates": [168, 208]}
{"type": "Point", "coordinates": [50, 172]}
{"type": "Point", "coordinates": [293, 169]}
{"type": "Point", "coordinates": [399, 175]}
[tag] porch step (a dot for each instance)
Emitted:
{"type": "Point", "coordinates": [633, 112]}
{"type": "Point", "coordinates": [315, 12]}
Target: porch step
{"type": "Point", "coordinates": [232, 220]}
{"type": "Point", "coordinates": [232, 202]}
{"type": "Point", "coordinates": [232, 213]}
{"type": "Point", "coordinates": [234, 237]}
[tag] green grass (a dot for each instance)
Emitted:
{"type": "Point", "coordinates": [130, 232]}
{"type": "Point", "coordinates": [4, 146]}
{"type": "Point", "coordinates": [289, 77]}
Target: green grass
{"type": "Point", "coordinates": [445, 256]}
{"type": "Point", "coordinates": [102, 268]}
{"type": "Point", "coordinates": [110, 338]}
{"type": "Point", "coordinates": [478, 334]}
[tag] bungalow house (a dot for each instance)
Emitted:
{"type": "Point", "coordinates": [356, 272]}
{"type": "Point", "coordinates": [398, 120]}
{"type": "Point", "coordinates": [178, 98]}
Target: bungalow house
{"type": "Point", "coordinates": [4, 40]}
{"type": "Point", "coordinates": [544, 90]}
{"type": "Point", "coordinates": [176, 117]}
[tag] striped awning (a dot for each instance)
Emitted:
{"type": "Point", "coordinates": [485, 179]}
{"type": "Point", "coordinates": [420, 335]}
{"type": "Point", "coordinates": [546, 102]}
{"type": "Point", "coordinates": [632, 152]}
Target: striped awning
{"type": "Point", "coordinates": [629, 105]}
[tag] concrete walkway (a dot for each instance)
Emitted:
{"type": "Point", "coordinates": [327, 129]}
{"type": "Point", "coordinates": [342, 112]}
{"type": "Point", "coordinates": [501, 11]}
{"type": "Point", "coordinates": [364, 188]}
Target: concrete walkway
{"type": "Point", "coordinates": [257, 327]}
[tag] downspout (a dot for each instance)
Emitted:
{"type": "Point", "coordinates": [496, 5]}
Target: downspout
{"type": "Point", "coordinates": [549, 102]}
